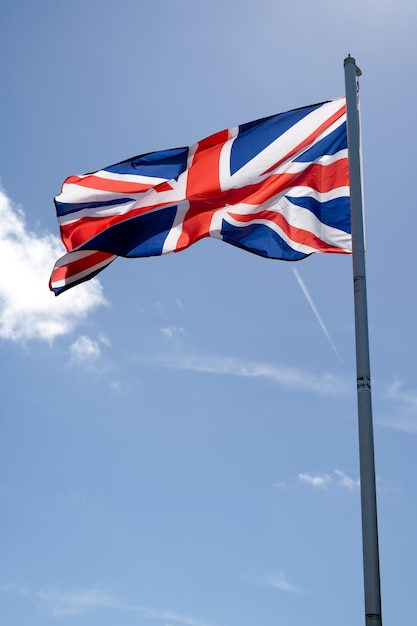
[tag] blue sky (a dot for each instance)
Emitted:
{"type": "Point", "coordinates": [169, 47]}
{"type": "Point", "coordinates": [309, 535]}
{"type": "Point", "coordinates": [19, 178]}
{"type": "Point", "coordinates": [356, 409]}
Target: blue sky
{"type": "Point", "coordinates": [179, 438]}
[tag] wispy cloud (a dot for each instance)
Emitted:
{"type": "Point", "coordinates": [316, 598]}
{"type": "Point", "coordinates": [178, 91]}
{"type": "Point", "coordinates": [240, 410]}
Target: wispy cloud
{"type": "Point", "coordinates": [403, 415]}
{"type": "Point", "coordinates": [316, 313]}
{"type": "Point", "coordinates": [288, 377]}
{"type": "Point", "coordinates": [28, 310]}
{"type": "Point", "coordinates": [396, 391]}
{"type": "Point", "coordinates": [59, 602]}
{"type": "Point", "coordinates": [120, 386]}
{"type": "Point", "coordinates": [346, 481]}
{"type": "Point", "coordinates": [280, 582]}
{"type": "Point", "coordinates": [86, 350]}
{"type": "Point", "coordinates": [318, 481]}
{"type": "Point", "coordinates": [281, 484]}
{"type": "Point", "coordinates": [16, 589]}
{"type": "Point", "coordinates": [171, 616]}
{"type": "Point", "coordinates": [171, 331]}
{"type": "Point", "coordinates": [323, 481]}
{"type": "Point", "coordinates": [158, 307]}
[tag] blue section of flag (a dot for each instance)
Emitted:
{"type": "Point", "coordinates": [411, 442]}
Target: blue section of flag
{"type": "Point", "coordinates": [260, 240]}
{"type": "Point", "coordinates": [66, 208]}
{"type": "Point", "coordinates": [168, 164]}
{"type": "Point", "coordinates": [143, 235]}
{"type": "Point", "coordinates": [334, 213]}
{"type": "Point", "coordinates": [255, 136]}
{"type": "Point", "coordinates": [331, 144]}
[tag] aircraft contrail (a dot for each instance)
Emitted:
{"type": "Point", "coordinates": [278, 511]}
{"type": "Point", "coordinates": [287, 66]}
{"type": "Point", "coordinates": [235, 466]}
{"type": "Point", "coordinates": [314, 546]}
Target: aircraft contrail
{"type": "Point", "coordinates": [316, 313]}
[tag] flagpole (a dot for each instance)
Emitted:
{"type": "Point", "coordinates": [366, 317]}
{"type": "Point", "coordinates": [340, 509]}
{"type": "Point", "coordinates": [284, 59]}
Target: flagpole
{"type": "Point", "coordinates": [370, 548]}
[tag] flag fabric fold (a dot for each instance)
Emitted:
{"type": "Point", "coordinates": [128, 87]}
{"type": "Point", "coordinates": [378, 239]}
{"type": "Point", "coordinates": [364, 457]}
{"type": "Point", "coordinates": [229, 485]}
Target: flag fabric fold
{"type": "Point", "coordinates": [277, 187]}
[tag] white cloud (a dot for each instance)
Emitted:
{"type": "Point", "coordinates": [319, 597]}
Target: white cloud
{"type": "Point", "coordinates": [280, 485]}
{"type": "Point", "coordinates": [170, 331]}
{"type": "Point", "coordinates": [322, 481]}
{"type": "Point", "coordinates": [346, 481]}
{"type": "Point", "coordinates": [28, 310]}
{"type": "Point", "coordinates": [158, 307]}
{"type": "Point", "coordinates": [288, 377]}
{"type": "Point", "coordinates": [17, 589]}
{"type": "Point", "coordinates": [277, 581]}
{"type": "Point", "coordinates": [317, 481]}
{"type": "Point", "coordinates": [280, 582]}
{"type": "Point", "coordinates": [104, 340]}
{"type": "Point", "coordinates": [120, 386]}
{"type": "Point", "coordinates": [60, 603]}
{"type": "Point", "coordinates": [403, 415]}
{"type": "Point", "coordinates": [161, 614]}
{"type": "Point", "coordinates": [86, 350]}
{"type": "Point", "coordinates": [397, 392]}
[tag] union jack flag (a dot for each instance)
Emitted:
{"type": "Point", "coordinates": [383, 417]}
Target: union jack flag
{"type": "Point", "coordinates": [277, 187]}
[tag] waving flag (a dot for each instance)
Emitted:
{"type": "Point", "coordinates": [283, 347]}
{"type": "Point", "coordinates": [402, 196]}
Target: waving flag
{"type": "Point", "coordinates": [277, 187]}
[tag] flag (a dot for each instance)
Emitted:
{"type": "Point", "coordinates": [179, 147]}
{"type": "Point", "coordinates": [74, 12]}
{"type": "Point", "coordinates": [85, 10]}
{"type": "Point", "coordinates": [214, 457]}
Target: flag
{"type": "Point", "coordinates": [277, 187]}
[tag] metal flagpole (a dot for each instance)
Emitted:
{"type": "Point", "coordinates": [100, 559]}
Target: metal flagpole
{"type": "Point", "coordinates": [366, 438]}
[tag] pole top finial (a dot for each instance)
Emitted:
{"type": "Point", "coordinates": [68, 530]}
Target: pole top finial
{"type": "Point", "coordinates": [350, 59]}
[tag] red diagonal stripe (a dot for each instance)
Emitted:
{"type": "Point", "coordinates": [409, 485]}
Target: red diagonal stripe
{"type": "Point", "coordinates": [75, 267]}
{"type": "Point", "coordinates": [298, 235]}
{"type": "Point", "coordinates": [321, 178]}
{"type": "Point", "coordinates": [309, 140]}
{"type": "Point", "coordinates": [105, 184]}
